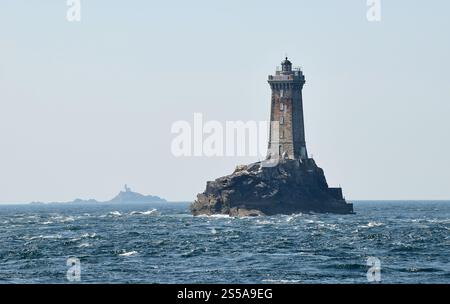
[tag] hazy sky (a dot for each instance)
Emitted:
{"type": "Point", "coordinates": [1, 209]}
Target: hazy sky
{"type": "Point", "coordinates": [87, 107]}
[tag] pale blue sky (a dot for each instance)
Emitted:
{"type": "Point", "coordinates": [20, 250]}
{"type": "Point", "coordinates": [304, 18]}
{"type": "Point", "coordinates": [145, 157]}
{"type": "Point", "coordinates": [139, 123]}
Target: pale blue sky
{"type": "Point", "coordinates": [87, 107]}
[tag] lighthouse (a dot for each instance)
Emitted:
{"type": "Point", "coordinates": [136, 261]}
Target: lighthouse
{"type": "Point", "coordinates": [294, 184]}
{"type": "Point", "coordinates": [287, 131]}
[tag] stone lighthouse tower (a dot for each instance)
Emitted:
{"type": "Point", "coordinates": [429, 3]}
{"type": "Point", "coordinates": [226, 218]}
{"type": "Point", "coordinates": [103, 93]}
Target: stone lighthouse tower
{"type": "Point", "coordinates": [287, 131]}
{"type": "Point", "coordinates": [294, 184]}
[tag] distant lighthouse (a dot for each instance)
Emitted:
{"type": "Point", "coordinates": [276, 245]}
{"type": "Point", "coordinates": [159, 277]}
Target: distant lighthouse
{"type": "Point", "coordinates": [287, 113]}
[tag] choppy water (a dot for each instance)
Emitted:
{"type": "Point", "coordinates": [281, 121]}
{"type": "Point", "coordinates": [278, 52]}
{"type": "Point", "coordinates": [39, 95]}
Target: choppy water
{"type": "Point", "coordinates": [165, 244]}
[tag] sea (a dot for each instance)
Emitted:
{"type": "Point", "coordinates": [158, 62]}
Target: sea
{"type": "Point", "coordinates": [385, 241]}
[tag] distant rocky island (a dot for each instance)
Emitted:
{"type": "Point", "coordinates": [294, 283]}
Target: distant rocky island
{"type": "Point", "coordinates": [124, 196]}
{"type": "Point", "coordinates": [288, 181]}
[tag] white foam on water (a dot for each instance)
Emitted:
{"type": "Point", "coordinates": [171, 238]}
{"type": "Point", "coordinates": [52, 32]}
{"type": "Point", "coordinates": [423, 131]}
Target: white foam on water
{"type": "Point", "coordinates": [289, 218]}
{"type": "Point", "coordinates": [62, 218]}
{"type": "Point", "coordinates": [332, 226]}
{"type": "Point", "coordinates": [114, 213]}
{"type": "Point", "coordinates": [89, 235]}
{"type": "Point", "coordinates": [52, 236]}
{"type": "Point", "coordinates": [220, 216]}
{"type": "Point", "coordinates": [149, 212]}
{"type": "Point", "coordinates": [41, 236]}
{"type": "Point", "coordinates": [371, 225]}
{"type": "Point", "coordinates": [127, 254]}
{"type": "Point", "coordinates": [215, 216]}
{"type": "Point", "coordinates": [68, 219]}
{"type": "Point", "coordinates": [439, 221]}
{"type": "Point", "coordinates": [281, 281]}
{"type": "Point", "coordinates": [308, 221]}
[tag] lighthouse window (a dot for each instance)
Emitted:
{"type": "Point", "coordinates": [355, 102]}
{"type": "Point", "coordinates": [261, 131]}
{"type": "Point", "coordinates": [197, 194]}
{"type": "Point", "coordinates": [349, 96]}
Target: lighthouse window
{"type": "Point", "coordinates": [281, 120]}
{"type": "Point", "coordinates": [281, 106]}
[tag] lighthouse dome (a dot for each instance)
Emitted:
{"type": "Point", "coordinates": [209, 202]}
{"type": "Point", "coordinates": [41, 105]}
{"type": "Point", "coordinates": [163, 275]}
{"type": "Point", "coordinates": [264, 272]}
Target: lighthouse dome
{"type": "Point", "coordinates": [286, 65]}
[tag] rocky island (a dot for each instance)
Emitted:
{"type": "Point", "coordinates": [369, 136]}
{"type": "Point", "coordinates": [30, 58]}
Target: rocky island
{"type": "Point", "coordinates": [288, 181]}
{"type": "Point", "coordinates": [124, 196]}
{"type": "Point", "coordinates": [290, 187]}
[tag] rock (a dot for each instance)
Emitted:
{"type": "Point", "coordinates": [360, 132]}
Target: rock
{"type": "Point", "coordinates": [125, 196]}
{"type": "Point", "coordinates": [292, 186]}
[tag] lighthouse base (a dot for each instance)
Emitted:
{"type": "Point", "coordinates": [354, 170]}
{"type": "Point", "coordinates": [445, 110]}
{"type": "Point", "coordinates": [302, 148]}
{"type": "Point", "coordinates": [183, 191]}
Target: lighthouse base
{"type": "Point", "coordinates": [292, 186]}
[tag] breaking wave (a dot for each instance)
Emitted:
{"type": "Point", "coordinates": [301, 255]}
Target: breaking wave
{"type": "Point", "coordinates": [148, 212]}
{"type": "Point", "coordinates": [128, 254]}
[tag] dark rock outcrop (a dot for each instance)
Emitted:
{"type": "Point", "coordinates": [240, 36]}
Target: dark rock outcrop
{"type": "Point", "coordinates": [292, 186]}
